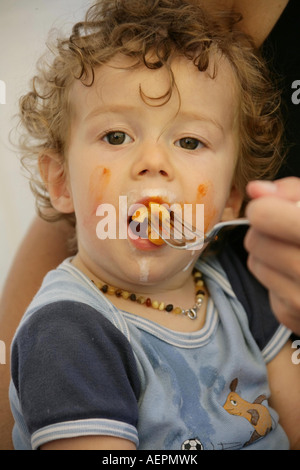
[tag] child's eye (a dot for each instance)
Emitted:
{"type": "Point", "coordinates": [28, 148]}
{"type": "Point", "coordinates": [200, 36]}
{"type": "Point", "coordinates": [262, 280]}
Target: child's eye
{"type": "Point", "coordinates": [117, 138]}
{"type": "Point", "coordinates": [189, 143]}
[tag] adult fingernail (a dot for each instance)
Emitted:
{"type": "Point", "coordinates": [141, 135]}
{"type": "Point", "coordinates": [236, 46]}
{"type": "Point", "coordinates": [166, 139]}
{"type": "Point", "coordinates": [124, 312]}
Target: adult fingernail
{"type": "Point", "coordinates": [267, 186]}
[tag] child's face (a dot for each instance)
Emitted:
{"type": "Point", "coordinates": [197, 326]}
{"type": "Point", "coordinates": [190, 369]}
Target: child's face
{"type": "Point", "coordinates": [122, 144]}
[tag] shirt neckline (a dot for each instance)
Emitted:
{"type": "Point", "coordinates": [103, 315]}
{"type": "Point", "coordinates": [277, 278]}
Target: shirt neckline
{"type": "Point", "coordinates": [177, 338]}
{"type": "Point", "coordinates": [188, 340]}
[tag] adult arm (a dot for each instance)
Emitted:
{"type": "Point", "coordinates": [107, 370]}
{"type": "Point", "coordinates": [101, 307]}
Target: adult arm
{"type": "Point", "coordinates": [259, 16]}
{"type": "Point", "coordinates": [43, 248]}
{"type": "Point", "coordinates": [284, 380]}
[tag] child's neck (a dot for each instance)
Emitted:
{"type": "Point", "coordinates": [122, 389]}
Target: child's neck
{"type": "Point", "coordinates": [183, 296]}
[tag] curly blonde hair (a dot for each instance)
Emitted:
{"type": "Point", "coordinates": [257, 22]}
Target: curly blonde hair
{"type": "Point", "coordinates": [151, 32]}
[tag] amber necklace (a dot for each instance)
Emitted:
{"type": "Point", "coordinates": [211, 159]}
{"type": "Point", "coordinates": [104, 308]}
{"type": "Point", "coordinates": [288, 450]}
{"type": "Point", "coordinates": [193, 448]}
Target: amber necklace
{"type": "Point", "coordinates": [191, 313]}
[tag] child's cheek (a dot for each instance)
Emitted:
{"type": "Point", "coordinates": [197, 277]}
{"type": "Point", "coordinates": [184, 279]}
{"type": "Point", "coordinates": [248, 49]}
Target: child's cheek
{"type": "Point", "coordinates": [205, 195]}
{"type": "Point", "coordinates": [98, 184]}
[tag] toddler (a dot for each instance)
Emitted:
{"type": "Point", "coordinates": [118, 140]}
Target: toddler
{"type": "Point", "coordinates": [132, 344]}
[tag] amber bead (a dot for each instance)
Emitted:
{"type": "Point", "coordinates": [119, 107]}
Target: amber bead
{"type": "Point", "coordinates": [111, 290]}
{"type": "Point", "coordinates": [200, 292]}
{"type": "Point", "coordinates": [197, 275]}
{"type": "Point", "coordinates": [177, 311]}
{"type": "Point", "coordinates": [125, 294]}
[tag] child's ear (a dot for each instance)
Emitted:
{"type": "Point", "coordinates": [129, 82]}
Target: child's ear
{"type": "Point", "coordinates": [233, 205]}
{"type": "Point", "coordinates": [52, 171]}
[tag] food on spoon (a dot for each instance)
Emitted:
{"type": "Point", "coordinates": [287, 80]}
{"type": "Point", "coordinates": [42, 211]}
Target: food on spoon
{"type": "Point", "coordinates": [140, 214]}
{"type": "Point", "coordinates": [154, 209]}
{"type": "Point", "coordinates": [163, 214]}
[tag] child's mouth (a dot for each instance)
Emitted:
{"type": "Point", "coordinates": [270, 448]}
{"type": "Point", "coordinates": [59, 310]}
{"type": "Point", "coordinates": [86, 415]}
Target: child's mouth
{"type": "Point", "coordinates": [140, 222]}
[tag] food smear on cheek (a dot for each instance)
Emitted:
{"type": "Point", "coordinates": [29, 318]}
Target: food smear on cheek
{"type": "Point", "coordinates": [98, 183]}
{"type": "Point", "coordinates": [205, 194]}
{"type": "Point", "coordinates": [202, 190]}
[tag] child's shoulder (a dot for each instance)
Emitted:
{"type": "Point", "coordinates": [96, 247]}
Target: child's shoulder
{"type": "Point", "coordinates": [67, 295]}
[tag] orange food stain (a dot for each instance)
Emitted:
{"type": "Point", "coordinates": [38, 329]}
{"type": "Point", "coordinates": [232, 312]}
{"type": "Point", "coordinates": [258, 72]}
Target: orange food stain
{"type": "Point", "coordinates": [204, 196]}
{"type": "Point", "coordinates": [202, 190]}
{"type": "Point", "coordinates": [97, 185]}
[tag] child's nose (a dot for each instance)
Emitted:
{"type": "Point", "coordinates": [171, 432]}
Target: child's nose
{"type": "Point", "coordinates": [153, 161]}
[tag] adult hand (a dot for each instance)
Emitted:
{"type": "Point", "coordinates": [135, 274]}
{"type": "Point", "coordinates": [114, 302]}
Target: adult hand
{"type": "Point", "coordinates": [273, 243]}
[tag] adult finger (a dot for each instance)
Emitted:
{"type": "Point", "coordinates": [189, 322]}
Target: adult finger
{"type": "Point", "coordinates": [285, 188]}
{"type": "Point", "coordinates": [285, 313]}
{"type": "Point", "coordinates": [276, 217]}
{"type": "Point", "coordinates": [276, 254]}
{"type": "Point", "coordinates": [284, 293]}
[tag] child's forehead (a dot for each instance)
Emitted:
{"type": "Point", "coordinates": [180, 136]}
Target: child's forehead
{"type": "Point", "coordinates": [122, 81]}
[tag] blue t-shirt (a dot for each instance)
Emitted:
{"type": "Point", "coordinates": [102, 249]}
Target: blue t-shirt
{"type": "Point", "coordinates": [82, 367]}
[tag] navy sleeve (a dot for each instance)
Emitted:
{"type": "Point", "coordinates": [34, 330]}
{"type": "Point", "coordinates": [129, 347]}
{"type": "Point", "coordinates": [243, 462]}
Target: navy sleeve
{"type": "Point", "coordinates": [70, 363]}
{"type": "Point", "coordinates": [249, 291]}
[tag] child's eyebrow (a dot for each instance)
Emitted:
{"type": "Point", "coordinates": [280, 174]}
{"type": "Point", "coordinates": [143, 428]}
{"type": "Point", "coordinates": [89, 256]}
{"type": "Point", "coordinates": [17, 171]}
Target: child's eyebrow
{"type": "Point", "coordinates": [192, 116]}
{"type": "Point", "coordinates": [185, 115]}
{"type": "Point", "coordinates": [99, 110]}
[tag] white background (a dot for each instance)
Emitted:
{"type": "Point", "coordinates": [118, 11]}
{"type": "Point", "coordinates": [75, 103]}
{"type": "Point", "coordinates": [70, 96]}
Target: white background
{"type": "Point", "coordinates": [24, 29]}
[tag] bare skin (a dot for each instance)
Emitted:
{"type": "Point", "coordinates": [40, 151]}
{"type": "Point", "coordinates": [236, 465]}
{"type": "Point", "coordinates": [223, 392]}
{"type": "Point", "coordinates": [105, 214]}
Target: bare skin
{"type": "Point", "coordinates": [259, 16]}
{"type": "Point", "coordinates": [280, 273]}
